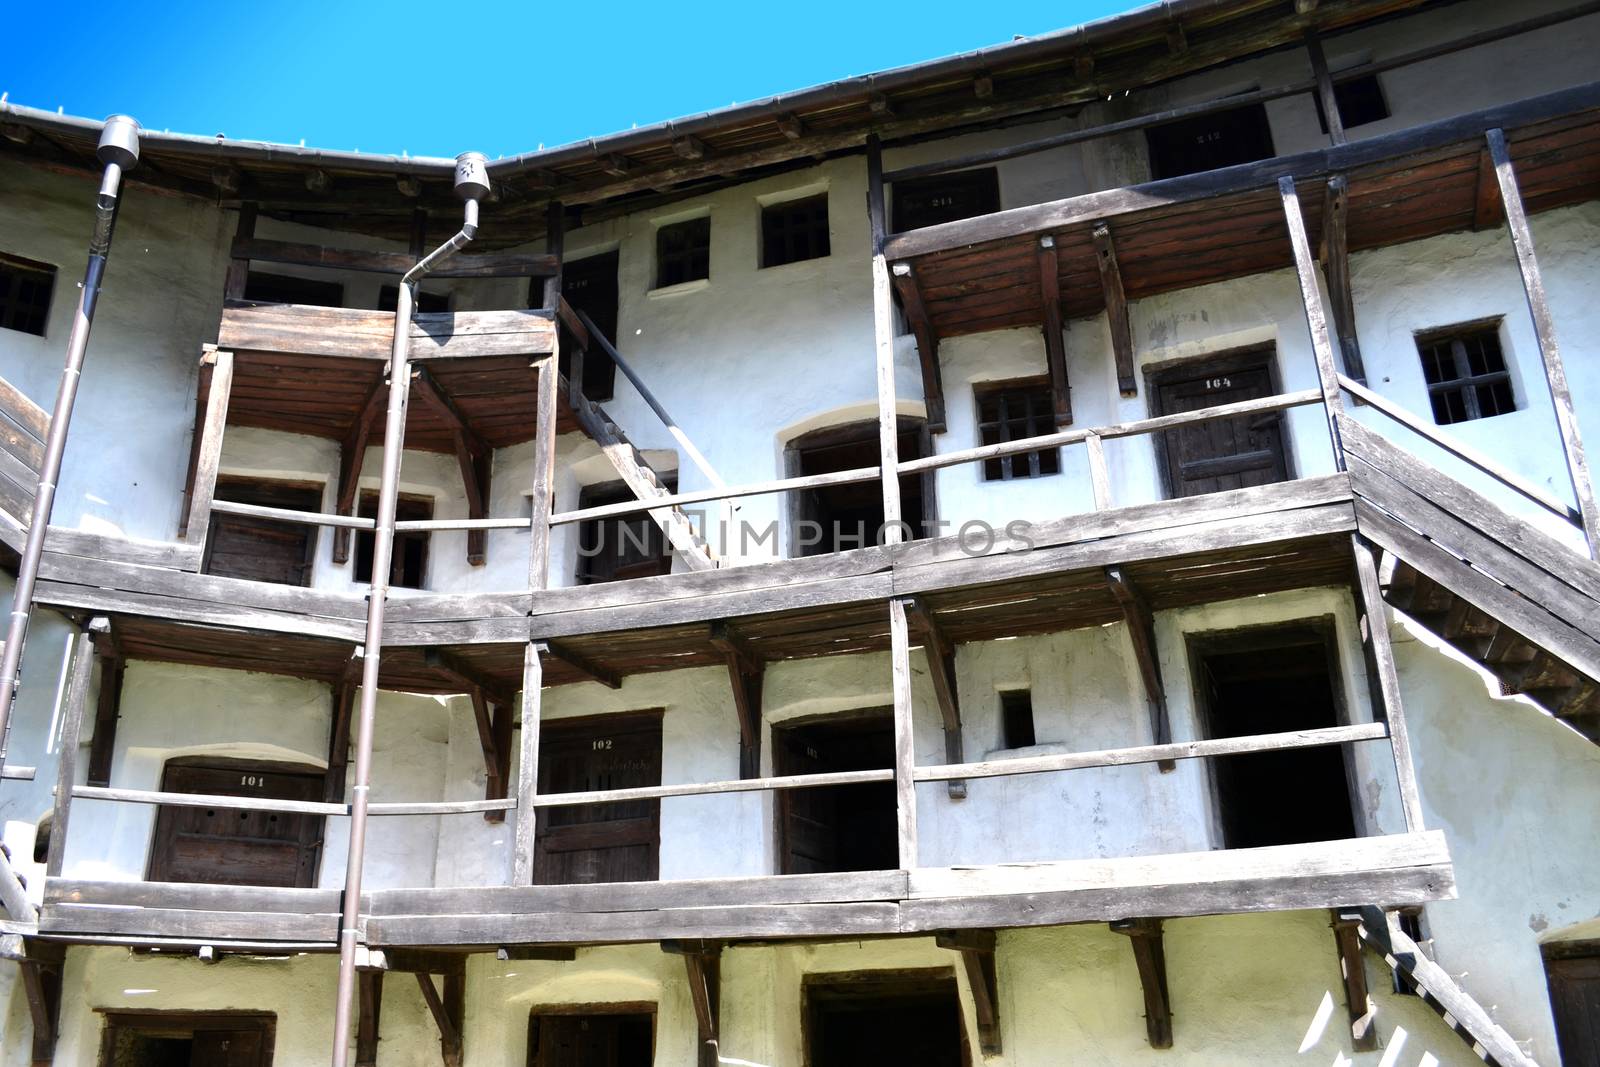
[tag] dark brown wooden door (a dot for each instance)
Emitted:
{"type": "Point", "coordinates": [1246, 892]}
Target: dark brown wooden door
{"type": "Point", "coordinates": [1223, 453]}
{"type": "Point", "coordinates": [262, 550]}
{"type": "Point", "coordinates": [224, 846]}
{"type": "Point", "coordinates": [618, 842]}
{"type": "Point", "coordinates": [1575, 1002]}
{"type": "Point", "coordinates": [808, 827]}
{"type": "Point", "coordinates": [607, 1040]}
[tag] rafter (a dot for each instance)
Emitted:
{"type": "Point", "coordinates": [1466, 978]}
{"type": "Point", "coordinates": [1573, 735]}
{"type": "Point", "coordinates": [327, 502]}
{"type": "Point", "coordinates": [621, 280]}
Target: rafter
{"type": "Point", "coordinates": [941, 653]}
{"type": "Point", "coordinates": [909, 293]}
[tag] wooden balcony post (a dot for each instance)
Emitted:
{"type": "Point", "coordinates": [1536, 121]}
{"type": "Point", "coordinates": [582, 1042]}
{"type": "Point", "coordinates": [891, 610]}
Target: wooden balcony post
{"type": "Point", "coordinates": [905, 751]}
{"type": "Point", "coordinates": [71, 727]}
{"type": "Point", "coordinates": [1544, 329]}
{"type": "Point", "coordinates": [528, 772]}
{"type": "Point", "coordinates": [1380, 661]}
{"type": "Point", "coordinates": [205, 450]}
{"type": "Point", "coordinates": [1316, 319]}
{"type": "Point", "coordinates": [883, 331]}
{"type": "Point", "coordinates": [544, 472]}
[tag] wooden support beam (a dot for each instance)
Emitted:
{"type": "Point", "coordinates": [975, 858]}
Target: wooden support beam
{"type": "Point", "coordinates": [703, 961]}
{"type": "Point", "coordinates": [413, 961]}
{"type": "Point", "coordinates": [448, 1011]}
{"type": "Point", "coordinates": [1336, 268]}
{"type": "Point", "coordinates": [344, 703]}
{"type": "Point", "coordinates": [880, 104]}
{"type": "Point", "coordinates": [941, 653]}
{"type": "Point", "coordinates": [369, 986]}
{"type": "Point", "coordinates": [618, 166]}
{"type": "Point", "coordinates": [41, 982]}
{"type": "Point", "coordinates": [494, 785]}
{"type": "Point", "coordinates": [205, 450]}
{"type": "Point", "coordinates": [473, 455]}
{"type": "Point", "coordinates": [544, 469]}
{"type": "Point", "coordinates": [977, 949]}
{"type": "Point", "coordinates": [909, 292]}
{"type": "Point", "coordinates": [1142, 632]}
{"type": "Point", "coordinates": [1316, 318]}
{"type": "Point", "coordinates": [1352, 968]}
{"type": "Point", "coordinates": [77, 697]}
{"type": "Point", "coordinates": [528, 768]}
{"type": "Point", "coordinates": [905, 752]}
{"type": "Point", "coordinates": [1383, 679]}
{"type": "Point", "coordinates": [1177, 40]}
{"type": "Point", "coordinates": [1116, 309]}
{"type": "Point", "coordinates": [1325, 95]}
{"type": "Point", "coordinates": [1054, 326]}
{"type": "Point", "coordinates": [555, 243]}
{"type": "Point", "coordinates": [466, 675]}
{"type": "Point", "coordinates": [983, 85]}
{"type": "Point", "coordinates": [585, 666]}
{"type": "Point", "coordinates": [747, 675]}
{"type": "Point", "coordinates": [108, 708]}
{"type": "Point", "coordinates": [1150, 956]}
{"type": "Point", "coordinates": [1544, 328]}
{"type": "Point", "coordinates": [352, 451]}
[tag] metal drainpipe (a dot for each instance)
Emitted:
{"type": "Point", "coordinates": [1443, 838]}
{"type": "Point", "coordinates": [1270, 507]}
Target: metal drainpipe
{"type": "Point", "coordinates": [472, 185]}
{"type": "Point", "coordinates": [119, 151]}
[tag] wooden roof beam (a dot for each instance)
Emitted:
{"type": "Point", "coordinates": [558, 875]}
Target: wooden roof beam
{"type": "Point", "coordinates": [1150, 956]}
{"type": "Point", "coordinates": [910, 296]}
{"type": "Point", "coordinates": [1054, 326]}
{"type": "Point", "coordinates": [983, 85]}
{"type": "Point", "coordinates": [1116, 309]}
{"type": "Point", "coordinates": [941, 653]}
{"type": "Point", "coordinates": [747, 675]}
{"type": "Point", "coordinates": [1141, 631]}
{"type": "Point", "coordinates": [977, 949]}
{"type": "Point", "coordinates": [618, 166]}
{"type": "Point", "coordinates": [473, 454]}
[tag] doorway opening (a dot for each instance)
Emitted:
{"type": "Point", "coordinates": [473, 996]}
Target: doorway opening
{"type": "Point", "coordinates": [187, 1039]}
{"type": "Point", "coordinates": [839, 517]}
{"type": "Point", "coordinates": [592, 1035]}
{"type": "Point", "coordinates": [877, 1017]}
{"type": "Point", "coordinates": [837, 827]}
{"type": "Point", "coordinates": [1269, 680]}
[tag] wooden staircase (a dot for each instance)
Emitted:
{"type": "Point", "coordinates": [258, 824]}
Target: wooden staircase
{"type": "Point", "coordinates": [1512, 598]}
{"type": "Point", "coordinates": [636, 472]}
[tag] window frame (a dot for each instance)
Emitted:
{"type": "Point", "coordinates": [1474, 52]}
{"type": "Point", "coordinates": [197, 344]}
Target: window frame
{"type": "Point", "coordinates": [23, 266]}
{"type": "Point", "coordinates": [1043, 421]}
{"type": "Point", "coordinates": [801, 225]}
{"type": "Point", "coordinates": [678, 257]}
{"type": "Point", "coordinates": [1466, 384]}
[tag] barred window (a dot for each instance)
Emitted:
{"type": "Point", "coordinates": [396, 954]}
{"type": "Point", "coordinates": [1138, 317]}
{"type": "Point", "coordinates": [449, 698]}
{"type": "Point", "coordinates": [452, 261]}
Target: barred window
{"type": "Point", "coordinates": [1466, 374]}
{"type": "Point", "coordinates": [25, 288]}
{"type": "Point", "coordinates": [683, 252]}
{"type": "Point", "coordinates": [794, 231]}
{"type": "Point", "coordinates": [1011, 411]}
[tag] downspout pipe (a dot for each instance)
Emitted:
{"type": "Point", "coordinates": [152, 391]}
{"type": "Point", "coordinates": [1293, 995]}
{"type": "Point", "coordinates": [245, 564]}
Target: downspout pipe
{"type": "Point", "coordinates": [472, 185]}
{"type": "Point", "coordinates": [119, 151]}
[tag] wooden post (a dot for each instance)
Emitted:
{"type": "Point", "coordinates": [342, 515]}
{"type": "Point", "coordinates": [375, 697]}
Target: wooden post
{"type": "Point", "coordinates": [555, 241]}
{"type": "Point", "coordinates": [370, 985]}
{"type": "Point", "coordinates": [528, 772]}
{"type": "Point", "coordinates": [544, 473]}
{"type": "Point", "coordinates": [1325, 94]}
{"type": "Point", "coordinates": [448, 1013]}
{"type": "Point", "coordinates": [108, 708]}
{"type": "Point", "coordinates": [1142, 633]}
{"type": "Point", "coordinates": [905, 752]}
{"type": "Point", "coordinates": [1380, 663]}
{"type": "Point", "coordinates": [239, 269]}
{"type": "Point", "coordinates": [883, 331]}
{"type": "Point", "coordinates": [1544, 328]}
{"type": "Point", "coordinates": [746, 675]}
{"type": "Point", "coordinates": [216, 378]}
{"type": "Point", "coordinates": [67, 751]}
{"type": "Point", "coordinates": [41, 982]}
{"type": "Point", "coordinates": [1316, 319]}
{"type": "Point", "coordinates": [703, 964]}
{"type": "Point", "coordinates": [1099, 475]}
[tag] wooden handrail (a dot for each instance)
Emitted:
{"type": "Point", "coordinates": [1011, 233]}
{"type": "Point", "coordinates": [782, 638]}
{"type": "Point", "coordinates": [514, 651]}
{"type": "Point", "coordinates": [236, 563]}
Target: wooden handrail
{"type": "Point", "coordinates": [1471, 457]}
{"type": "Point", "coordinates": [700, 496]}
{"type": "Point", "coordinates": [293, 807]}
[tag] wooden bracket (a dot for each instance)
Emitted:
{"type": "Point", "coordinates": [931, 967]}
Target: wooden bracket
{"type": "Point", "coordinates": [1352, 968]}
{"type": "Point", "coordinates": [1142, 632]}
{"type": "Point", "coordinates": [449, 1012]}
{"type": "Point", "coordinates": [369, 987]}
{"type": "Point", "coordinates": [494, 736]}
{"type": "Point", "coordinates": [108, 708]}
{"type": "Point", "coordinates": [977, 956]}
{"type": "Point", "coordinates": [473, 454]}
{"type": "Point", "coordinates": [467, 676]}
{"type": "Point", "coordinates": [41, 982]}
{"type": "Point", "coordinates": [909, 293]}
{"type": "Point", "coordinates": [703, 961]}
{"type": "Point", "coordinates": [344, 703]}
{"type": "Point", "coordinates": [941, 654]}
{"type": "Point", "coordinates": [1150, 956]}
{"type": "Point", "coordinates": [352, 450]}
{"type": "Point", "coordinates": [747, 673]}
{"type": "Point", "coordinates": [585, 666]}
{"type": "Point", "coordinates": [1054, 326]}
{"type": "Point", "coordinates": [1336, 268]}
{"type": "Point", "coordinates": [1116, 309]}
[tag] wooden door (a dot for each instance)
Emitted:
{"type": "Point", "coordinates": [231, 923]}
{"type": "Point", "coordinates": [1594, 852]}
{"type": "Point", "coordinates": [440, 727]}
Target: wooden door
{"type": "Point", "coordinates": [1575, 1003]}
{"type": "Point", "coordinates": [1223, 453]}
{"type": "Point", "coordinates": [263, 550]}
{"type": "Point", "coordinates": [808, 819]}
{"type": "Point", "coordinates": [225, 846]}
{"type": "Point", "coordinates": [619, 842]}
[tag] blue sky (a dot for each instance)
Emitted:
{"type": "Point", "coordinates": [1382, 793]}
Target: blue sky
{"type": "Point", "coordinates": [441, 78]}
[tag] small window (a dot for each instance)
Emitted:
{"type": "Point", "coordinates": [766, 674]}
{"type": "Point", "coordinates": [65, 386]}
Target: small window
{"type": "Point", "coordinates": [1360, 101]}
{"type": "Point", "coordinates": [683, 252]}
{"type": "Point", "coordinates": [1016, 718]}
{"type": "Point", "coordinates": [428, 303]}
{"type": "Point", "coordinates": [409, 562]}
{"type": "Point", "coordinates": [794, 231]}
{"type": "Point", "coordinates": [25, 288]}
{"type": "Point", "coordinates": [1208, 142]}
{"type": "Point", "coordinates": [1466, 374]}
{"type": "Point", "coordinates": [920, 202]}
{"type": "Point", "coordinates": [623, 546]}
{"type": "Point", "coordinates": [287, 289]}
{"type": "Point", "coordinates": [1012, 411]}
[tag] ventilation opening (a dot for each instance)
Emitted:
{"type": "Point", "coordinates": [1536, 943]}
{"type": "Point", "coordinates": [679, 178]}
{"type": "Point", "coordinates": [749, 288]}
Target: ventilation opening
{"type": "Point", "coordinates": [839, 827]}
{"type": "Point", "coordinates": [1271, 682]}
{"type": "Point", "coordinates": [870, 1019]}
{"type": "Point", "coordinates": [1016, 718]}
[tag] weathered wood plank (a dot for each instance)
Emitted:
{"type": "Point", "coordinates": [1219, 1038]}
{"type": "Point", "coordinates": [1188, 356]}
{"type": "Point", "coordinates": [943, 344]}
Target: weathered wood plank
{"type": "Point", "coordinates": [904, 280]}
{"type": "Point", "coordinates": [208, 452]}
{"type": "Point", "coordinates": [198, 895]}
{"type": "Point", "coordinates": [496, 265]}
{"type": "Point", "coordinates": [72, 709]}
{"type": "Point", "coordinates": [349, 333]}
{"type": "Point", "coordinates": [528, 766]}
{"type": "Point", "coordinates": [1380, 660]}
{"type": "Point", "coordinates": [188, 923]}
{"type": "Point", "coordinates": [905, 746]}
